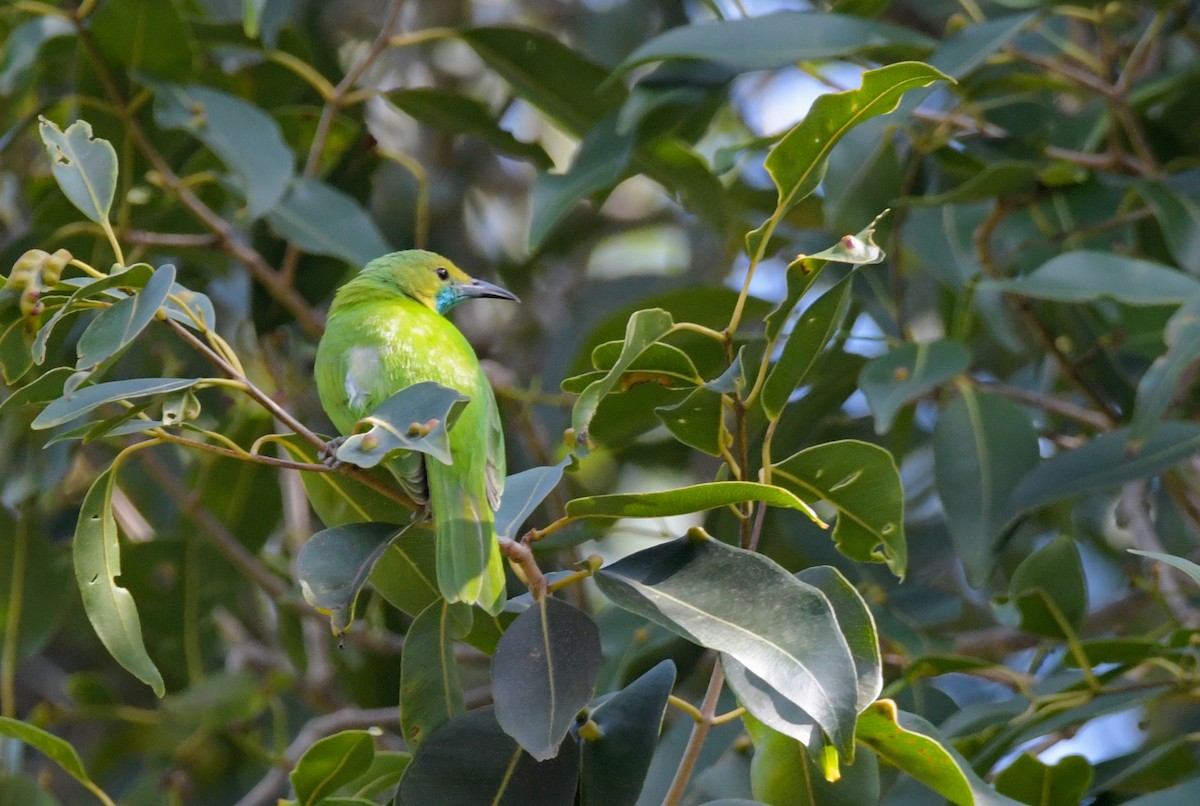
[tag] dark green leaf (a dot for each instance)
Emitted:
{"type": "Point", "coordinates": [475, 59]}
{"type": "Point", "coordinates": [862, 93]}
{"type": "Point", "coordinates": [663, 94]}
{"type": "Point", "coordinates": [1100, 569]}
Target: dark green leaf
{"type": "Point", "coordinates": [699, 588]}
{"type": "Point", "coordinates": [767, 705]}
{"type": "Point", "coordinates": [524, 492]}
{"type": "Point", "coordinates": [339, 499]}
{"type": "Point", "coordinates": [1030, 781]}
{"type": "Point", "coordinates": [970, 47]}
{"type": "Point", "coordinates": [121, 323]}
{"type": "Point", "coordinates": [615, 759]}
{"type": "Point", "coordinates": [21, 48]}
{"type": "Point", "coordinates": [144, 35]}
{"type": "Point", "coordinates": [1050, 590]}
{"type": "Point", "coordinates": [85, 167]}
{"type": "Point", "coordinates": [544, 672]}
{"type": "Point", "coordinates": [470, 760]}
{"type": "Point", "coordinates": [333, 565]}
{"type": "Point", "coordinates": [1085, 276]}
{"type": "Point", "coordinates": [16, 342]}
{"type": "Point", "coordinates": [907, 372]}
{"type": "Point", "coordinates": [983, 446]}
{"type": "Point", "coordinates": [696, 498]}
{"type": "Point", "coordinates": [417, 418]}
{"type": "Point", "coordinates": [242, 135]}
{"type": "Point", "coordinates": [813, 330]}
{"type": "Point", "coordinates": [1179, 219]}
{"type": "Point", "coordinates": [430, 691]}
{"type": "Point", "coordinates": [330, 763]}
{"type": "Point", "coordinates": [321, 219]}
{"type": "Point", "coordinates": [857, 626]}
{"type": "Point", "coordinates": [774, 40]}
{"type": "Point", "coordinates": [132, 278]}
{"type": "Point", "coordinates": [1103, 462]}
{"type": "Point", "coordinates": [1160, 383]}
{"type": "Point", "coordinates": [1004, 178]}
{"type": "Point", "coordinates": [65, 409]}
{"type": "Point", "coordinates": [382, 776]}
{"type": "Point", "coordinates": [862, 481]}
{"type": "Point", "coordinates": [460, 114]}
{"type": "Point", "coordinates": [109, 606]}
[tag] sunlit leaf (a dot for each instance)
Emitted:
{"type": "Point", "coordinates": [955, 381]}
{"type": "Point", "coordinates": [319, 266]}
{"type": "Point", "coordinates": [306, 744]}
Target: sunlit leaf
{"type": "Point", "coordinates": [813, 330]}
{"type": "Point", "coordinates": [1186, 566]}
{"type": "Point", "coordinates": [1031, 781]}
{"type": "Point", "coordinates": [784, 773]}
{"type": "Point", "coordinates": [695, 498]}
{"type": "Point", "coordinates": [84, 166]}
{"type": "Point", "coordinates": [330, 763]}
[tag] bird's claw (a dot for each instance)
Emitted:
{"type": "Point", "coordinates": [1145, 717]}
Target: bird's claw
{"type": "Point", "coordinates": [328, 455]}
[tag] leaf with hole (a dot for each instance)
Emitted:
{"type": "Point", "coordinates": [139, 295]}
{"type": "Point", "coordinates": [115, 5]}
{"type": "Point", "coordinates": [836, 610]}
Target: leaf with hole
{"type": "Point", "coordinates": [84, 166]}
{"type": "Point", "coordinates": [74, 406]}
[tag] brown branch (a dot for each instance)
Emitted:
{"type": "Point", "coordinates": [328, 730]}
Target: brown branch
{"type": "Point", "coordinates": [1047, 403]}
{"type": "Point", "coordinates": [519, 553]}
{"type": "Point", "coordinates": [691, 753]}
{"type": "Point", "coordinates": [169, 239]}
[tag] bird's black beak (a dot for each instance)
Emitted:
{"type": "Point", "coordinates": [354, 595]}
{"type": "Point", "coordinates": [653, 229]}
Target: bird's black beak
{"type": "Point", "coordinates": [482, 288]}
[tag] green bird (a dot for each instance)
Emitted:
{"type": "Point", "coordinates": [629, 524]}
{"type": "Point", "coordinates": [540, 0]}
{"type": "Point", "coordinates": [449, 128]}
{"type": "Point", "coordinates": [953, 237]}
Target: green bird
{"type": "Point", "coordinates": [387, 329]}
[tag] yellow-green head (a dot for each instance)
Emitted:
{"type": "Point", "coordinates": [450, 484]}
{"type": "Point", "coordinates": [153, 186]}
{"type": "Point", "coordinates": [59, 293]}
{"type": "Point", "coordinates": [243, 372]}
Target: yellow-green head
{"type": "Point", "coordinates": [427, 277]}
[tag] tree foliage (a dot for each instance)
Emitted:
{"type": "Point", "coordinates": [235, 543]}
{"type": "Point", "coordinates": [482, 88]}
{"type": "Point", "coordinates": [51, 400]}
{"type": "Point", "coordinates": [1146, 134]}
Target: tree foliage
{"type": "Point", "coordinates": [734, 578]}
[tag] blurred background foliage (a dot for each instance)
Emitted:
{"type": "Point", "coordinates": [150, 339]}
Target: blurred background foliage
{"type": "Point", "coordinates": [1025, 351]}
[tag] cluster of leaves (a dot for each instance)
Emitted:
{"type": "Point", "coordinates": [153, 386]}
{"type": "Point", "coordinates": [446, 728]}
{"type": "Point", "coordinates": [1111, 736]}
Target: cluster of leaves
{"type": "Point", "coordinates": [1009, 349]}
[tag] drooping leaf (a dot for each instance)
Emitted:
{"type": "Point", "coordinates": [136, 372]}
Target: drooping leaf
{"type": "Point", "coordinates": [1086, 276]}
{"type": "Point", "coordinates": [983, 446]}
{"type": "Point", "coordinates": [430, 691]}
{"type": "Point", "coordinates": [813, 330]}
{"type": "Point", "coordinates": [57, 750]}
{"type": "Point", "coordinates": [330, 763]}
{"type": "Point", "coordinates": [65, 409]}
{"type": "Point", "coordinates": [323, 220]}
{"type": "Point", "coordinates": [1159, 385]}
{"type": "Point", "coordinates": [109, 607]}
{"type": "Point", "coordinates": [242, 135]}
{"type": "Point", "coordinates": [334, 564]}
{"type": "Point", "coordinates": [857, 626]}
{"type": "Point", "coordinates": [1031, 781]}
{"type": "Point", "coordinates": [21, 48]}
{"type": "Point", "coordinates": [1186, 566]}
{"type": "Point", "coordinates": [417, 418]}
{"type": "Point", "coordinates": [470, 760]}
{"type": "Point", "coordinates": [454, 113]}
{"type": "Point", "coordinates": [1049, 589]}
{"type": "Point", "coordinates": [117, 326]}
{"type": "Point", "coordinates": [524, 492]}
{"type": "Point", "coordinates": [696, 498]}
{"type": "Point", "coordinates": [772, 41]}
{"type": "Point", "coordinates": [617, 754]}
{"type": "Point", "coordinates": [783, 773]}
{"type": "Point", "coordinates": [697, 587]}
{"type": "Point", "coordinates": [907, 372]}
{"type": "Point", "coordinates": [767, 705]}
{"type": "Point", "coordinates": [862, 481]}
{"type": "Point", "coordinates": [84, 166]}
{"type": "Point", "coordinates": [338, 499]}
{"type": "Point", "coordinates": [544, 671]}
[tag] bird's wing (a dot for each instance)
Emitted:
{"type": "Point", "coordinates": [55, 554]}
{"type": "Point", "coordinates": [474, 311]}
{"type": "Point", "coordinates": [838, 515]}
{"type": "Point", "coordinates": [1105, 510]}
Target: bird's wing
{"type": "Point", "coordinates": [496, 464]}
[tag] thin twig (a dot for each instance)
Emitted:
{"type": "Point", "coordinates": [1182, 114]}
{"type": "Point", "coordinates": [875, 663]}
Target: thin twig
{"type": "Point", "coordinates": [520, 554]}
{"type": "Point", "coordinates": [1047, 403]}
{"type": "Point", "coordinates": [691, 753]}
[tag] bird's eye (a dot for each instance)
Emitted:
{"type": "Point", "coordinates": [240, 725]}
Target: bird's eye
{"type": "Point", "coordinates": [443, 274]}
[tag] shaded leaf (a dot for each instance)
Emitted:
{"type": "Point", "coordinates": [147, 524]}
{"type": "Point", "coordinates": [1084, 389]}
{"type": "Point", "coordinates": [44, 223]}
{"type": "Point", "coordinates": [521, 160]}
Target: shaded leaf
{"type": "Point", "coordinates": [907, 372]}
{"type": "Point", "coordinates": [65, 409]}
{"type": "Point", "coordinates": [21, 48]}
{"type": "Point", "coordinates": [322, 220]}
{"type": "Point", "coordinates": [144, 35]}
{"type": "Point", "coordinates": [615, 758]}
{"type": "Point", "coordinates": [338, 499]}
{"type": "Point", "coordinates": [698, 587]}
{"type": "Point", "coordinates": [85, 167]}
{"type": "Point", "coordinates": [857, 626]}
{"type": "Point", "coordinates": [1159, 385]}
{"type": "Point", "coordinates": [132, 278]}
{"type": "Point", "coordinates": [470, 760]}
{"type": "Point", "coordinates": [862, 481]}
{"type": "Point", "coordinates": [1030, 781]}
{"type": "Point", "coordinates": [1049, 588]}
{"type": "Point", "coordinates": [430, 691]}
{"type": "Point", "coordinates": [109, 607]}
{"type": "Point", "coordinates": [121, 323]}
{"type": "Point", "coordinates": [813, 330]}
{"type": "Point", "coordinates": [454, 113]}
{"type": "Point", "coordinates": [695, 498]}
{"type": "Point", "coordinates": [334, 564]}
{"type": "Point", "coordinates": [696, 420]}
{"type": "Point", "coordinates": [330, 763]}
{"type": "Point", "coordinates": [983, 446]}
{"type": "Point", "coordinates": [767, 705]}
{"type": "Point", "coordinates": [543, 673]}
{"type": "Point", "coordinates": [1086, 276]}
{"type": "Point", "coordinates": [46, 387]}
{"type": "Point", "coordinates": [1179, 219]}
{"type": "Point", "coordinates": [417, 418]}
{"type": "Point", "coordinates": [524, 492]}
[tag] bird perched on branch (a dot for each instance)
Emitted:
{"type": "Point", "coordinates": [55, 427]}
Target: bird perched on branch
{"type": "Point", "coordinates": [387, 329]}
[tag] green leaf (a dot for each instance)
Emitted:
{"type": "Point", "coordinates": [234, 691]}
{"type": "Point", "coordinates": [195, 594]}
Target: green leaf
{"type": "Point", "coordinates": [911, 744]}
{"type": "Point", "coordinates": [772, 41]}
{"type": "Point", "coordinates": [993, 179]}
{"type": "Point", "coordinates": [557, 80]}
{"type": "Point", "coordinates": [697, 587]}
{"type": "Point", "coordinates": [544, 672]}
{"type": "Point", "coordinates": [65, 409]}
{"type": "Point", "coordinates": [109, 607]}
{"type": "Point", "coordinates": [46, 387]}
{"type": "Point", "coordinates": [1030, 781]}
{"type": "Point", "coordinates": [133, 278]}
{"type": "Point", "coordinates": [1158, 386]}
{"type": "Point", "coordinates": [454, 113]}
{"type": "Point", "coordinates": [1179, 219]}
{"type": "Point", "coordinates": [798, 161]}
{"type": "Point", "coordinates": [381, 777]}
{"type": "Point", "coordinates": [908, 372]}
{"type": "Point", "coordinates": [1049, 589]}
{"type": "Point", "coordinates": [857, 626]}
{"type": "Point", "coordinates": [16, 358]}
{"type": "Point", "coordinates": [84, 167]}
{"type": "Point", "coordinates": [983, 446]}
{"type": "Point", "coordinates": [862, 481]}
{"type": "Point", "coordinates": [338, 499]}
{"type": "Point", "coordinates": [696, 420]}
{"type": "Point", "coordinates": [118, 325]}
{"type": "Point", "coordinates": [242, 135]}
{"type": "Point", "coordinates": [524, 492]}
{"type": "Point", "coordinates": [430, 691]}
{"type": "Point", "coordinates": [1186, 566]}
{"type": "Point", "coordinates": [813, 330]}
{"type": "Point", "coordinates": [252, 11]}
{"type": "Point", "coordinates": [617, 755]}
{"type": "Point", "coordinates": [330, 763]}
{"type": "Point", "coordinates": [470, 760]}
{"type": "Point", "coordinates": [696, 498]}
{"type": "Point", "coordinates": [21, 48]}
{"type": "Point", "coordinates": [969, 48]}
{"type": "Point", "coordinates": [417, 418]}
{"type": "Point", "coordinates": [323, 220]}
{"type": "Point", "coordinates": [334, 564]}
{"type": "Point", "coordinates": [1102, 463]}
{"type": "Point", "coordinates": [782, 773]}
{"type": "Point", "coordinates": [658, 359]}
{"type": "Point", "coordinates": [144, 35]}
{"type": "Point", "coordinates": [57, 750]}
{"type": "Point", "coordinates": [644, 328]}
{"type": "Point", "coordinates": [1086, 276]}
